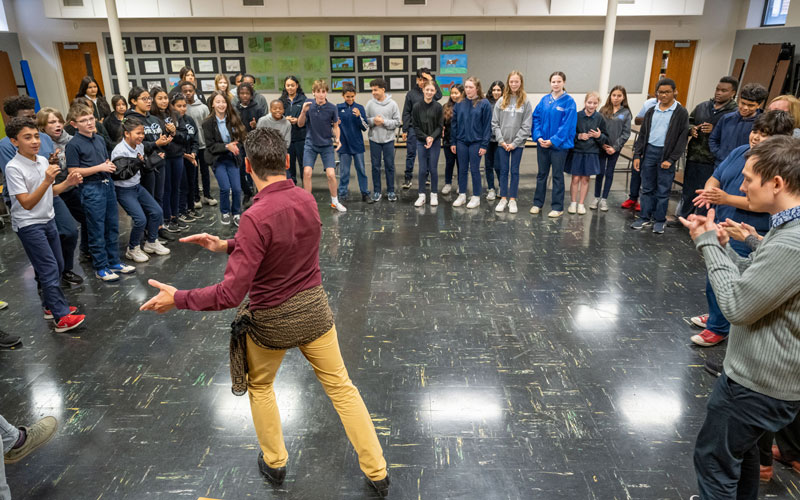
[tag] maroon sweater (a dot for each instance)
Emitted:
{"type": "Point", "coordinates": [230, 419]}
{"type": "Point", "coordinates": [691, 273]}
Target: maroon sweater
{"type": "Point", "coordinates": [274, 255]}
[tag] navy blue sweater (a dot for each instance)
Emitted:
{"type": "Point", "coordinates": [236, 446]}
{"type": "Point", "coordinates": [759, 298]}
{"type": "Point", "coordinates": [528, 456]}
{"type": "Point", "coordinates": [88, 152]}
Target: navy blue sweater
{"type": "Point", "coordinates": [472, 124]}
{"type": "Point", "coordinates": [730, 132]}
{"type": "Point", "coordinates": [351, 128]}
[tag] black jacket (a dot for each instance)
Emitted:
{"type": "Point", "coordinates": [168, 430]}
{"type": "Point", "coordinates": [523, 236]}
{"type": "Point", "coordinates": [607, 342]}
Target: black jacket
{"type": "Point", "coordinates": [427, 120]}
{"type": "Point", "coordinates": [177, 147]}
{"type": "Point", "coordinates": [153, 129]}
{"type": "Point", "coordinates": [253, 110]}
{"type": "Point", "coordinates": [293, 109]}
{"type": "Point", "coordinates": [698, 149]}
{"type": "Point", "coordinates": [191, 145]}
{"type": "Point", "coordinates": [585, 124]}
{"type": "Point", "coordinates": [127, 167]}
{"type": "Point", "coordinates": [412, 97]}
{"type": "Point", "coordinates": [677, 135]}
{"type": "Point", "coordinates": [215, 146]}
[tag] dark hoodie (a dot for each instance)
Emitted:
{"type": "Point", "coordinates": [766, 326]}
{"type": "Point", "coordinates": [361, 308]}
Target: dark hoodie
{"type": "Point", "coordinates": [413, 97]}
{"type": "Point", "coordinates": [248, 113]}
{"type": "Point", "coordinates": [153, 129]}
{"type": "Point", "coordinates": [292, 108]}
{"type": "Point", "coordinates": [730, 132]}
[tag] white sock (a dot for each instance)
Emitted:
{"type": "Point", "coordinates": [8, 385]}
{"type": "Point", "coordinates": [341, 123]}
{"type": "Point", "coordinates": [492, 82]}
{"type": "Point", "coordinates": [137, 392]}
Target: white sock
{"type": "Point", "coordinates": [334, 199]}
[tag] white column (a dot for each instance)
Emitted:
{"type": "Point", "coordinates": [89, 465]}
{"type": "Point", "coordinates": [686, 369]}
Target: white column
{"type": "Point", "coordinates": [608, 48]}
{"type": "Point", "coordinates": [116, 48]}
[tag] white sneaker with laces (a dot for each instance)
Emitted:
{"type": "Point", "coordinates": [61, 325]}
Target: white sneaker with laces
{"type": "Point", "coordinates": [136, 254]}
{"type": "Point", "coordinates": [491, 195]}
{"type": "Point", "coordinates": [420, 200]}
{"type": "Point", "coordinates": [555, 213]}
{"type": "Point", "coordinates": [462, 198]}
{"type": "Point", "coordinates": [447, 188]}
{"type": "Point", "coordinates": [434, 200]}
{"type": "Point", "coordinates": [573, 207]}
{"type": "Point", "coordinates": [581, 209]}
{"type": "Point", "coordinates": [501, 206]}
{"type": "Point", "coordinates": [603, 205]}
{"type": "Point", "coordinates": [338, 206]}
{"type": "Point", "coordinates": [156, 247]}
{"type": "Point", "coordinates": [512, 206]}
{"type": "Point", "coordinates": [535, 210]}
{"type": "Point", "coordinates": [474, 202]}
{"type": "Point", "coordinates": [594, 204]}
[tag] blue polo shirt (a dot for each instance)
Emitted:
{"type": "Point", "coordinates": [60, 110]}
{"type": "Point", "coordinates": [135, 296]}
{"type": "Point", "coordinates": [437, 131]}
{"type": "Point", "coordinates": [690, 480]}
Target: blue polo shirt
{"type": "Point", "coordinates": [83, 152]}
{"type": "Point", "coordinates": [730, 177]}
{"type": "Point", "coordinates": [660, 124]}
{"type": "Point", "coordinates": [223, 130]}
{"type": "Point", "coordinates": [319, 122]}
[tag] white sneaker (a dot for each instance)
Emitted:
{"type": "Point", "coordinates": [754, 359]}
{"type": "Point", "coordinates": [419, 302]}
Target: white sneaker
{"type": "Point", "coordinates": [156, 247]}
{"type": "Point", "coordinates": [420, 200]}
{"type": "Point", "coordinates": [501, 206]}
{"type": "Point", "coordinates": [338, 206]}
{"type": "Point", "coordinates": [434, 200]}
{"type": "Point", "coordinates": [474, 202]}
{"type": "Point", "coordinates": [555, 213]}
{"type": "Point", "coordinates": [594, 204]}
{"type": "Point", "coordinates": [208, 201]}
{"type": "Point", "coordinates": [198, 205]}
{"type": "Point", "coordinates": [491, 195]}
{"type": "Point", "coordinates": [512, 206]}
{"type": "Point", "coordinates": [581, 209]}
{"type": "Point", "coordinates": [603, 205]}
{"type": "Point", "coordinates": [573, 207]}
{"type": "Point", "coordinates": [447, 188]}
{"type": "Point", "coordinates": [535, 210]}
{"type": "Point", "coordinates": [462, 198]}
{"type": "Point", "coordinates": [135, 254]}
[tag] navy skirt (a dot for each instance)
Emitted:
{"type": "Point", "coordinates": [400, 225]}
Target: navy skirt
{"type": "Point", "coordinates": [583, 164]}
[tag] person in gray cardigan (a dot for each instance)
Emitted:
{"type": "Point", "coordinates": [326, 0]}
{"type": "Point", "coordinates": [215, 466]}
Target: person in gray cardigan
{"type": "Point", "coordinates": [759, 388]}
{"type": "Point", "coordinates": [512, 119]}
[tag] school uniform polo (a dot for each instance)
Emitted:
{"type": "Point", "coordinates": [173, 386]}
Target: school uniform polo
{"type": "Point", "coordinates": [83, 151]}
{"type": "Point", "coordinates": [319, 121]}
{"type": "Point", "coordinates": [660, 124]}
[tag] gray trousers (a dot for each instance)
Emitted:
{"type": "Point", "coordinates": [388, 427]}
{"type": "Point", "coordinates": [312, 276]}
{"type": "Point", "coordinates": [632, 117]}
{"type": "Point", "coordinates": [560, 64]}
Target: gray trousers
{"type": "Point", "coordinates": [9, 435]}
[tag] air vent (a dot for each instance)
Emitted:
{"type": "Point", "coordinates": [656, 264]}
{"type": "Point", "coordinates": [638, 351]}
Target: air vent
{"type": "Point", "coordinates": [253, 3]}
{"type": "Point", "coordinates": [415, 2]}
{"type": "Point", "coordinates": [73, 3]}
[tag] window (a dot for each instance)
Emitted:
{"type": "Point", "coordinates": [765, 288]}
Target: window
{"type": "Point", "coordinates": [775, 12]}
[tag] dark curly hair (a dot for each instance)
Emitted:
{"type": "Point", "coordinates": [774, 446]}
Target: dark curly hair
{"type": "Point", "coordinates": [14, 104]}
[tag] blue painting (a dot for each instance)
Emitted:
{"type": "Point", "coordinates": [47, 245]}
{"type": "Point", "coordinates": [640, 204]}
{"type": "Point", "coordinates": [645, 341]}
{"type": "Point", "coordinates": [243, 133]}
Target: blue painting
{"type": "Point", "coordinates": [450, 64]}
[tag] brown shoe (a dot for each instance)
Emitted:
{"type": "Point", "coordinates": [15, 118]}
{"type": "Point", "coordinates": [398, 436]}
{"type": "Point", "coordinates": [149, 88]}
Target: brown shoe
{"type": "Point", "coordinates": [765, 473]}
{"type": "Point", "coordinates": [35, 436]}
{"type": "Point", "coordinates": [776, 454]}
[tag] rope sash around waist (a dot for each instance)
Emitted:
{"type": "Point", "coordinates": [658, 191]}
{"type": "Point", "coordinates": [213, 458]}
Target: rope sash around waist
{"type": "Point", "coordinates": [303, 318]}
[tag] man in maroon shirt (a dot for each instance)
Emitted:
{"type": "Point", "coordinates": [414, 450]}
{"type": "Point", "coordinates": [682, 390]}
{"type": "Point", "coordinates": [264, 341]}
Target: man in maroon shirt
{"type": "Point", "coordinates": [274, 258]}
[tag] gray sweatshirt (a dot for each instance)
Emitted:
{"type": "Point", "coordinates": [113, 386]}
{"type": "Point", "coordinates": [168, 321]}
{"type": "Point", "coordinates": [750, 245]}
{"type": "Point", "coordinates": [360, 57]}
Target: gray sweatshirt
{"type": "Point", "coordinates": [760, 296]}
{"type": "Point", "coordinates": [513, 124]}
{"type": "Point", "coordinates": [198, 111]}
{"type": "Point", "coordinates": [619, 128]}
{"type": "Point", "coordinates": [283, 126]}
{"type": "Point", "coordinates": [390, 112]}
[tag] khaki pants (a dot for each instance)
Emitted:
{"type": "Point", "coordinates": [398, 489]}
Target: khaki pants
{"type": "Point", "coordinates": [326, 359]}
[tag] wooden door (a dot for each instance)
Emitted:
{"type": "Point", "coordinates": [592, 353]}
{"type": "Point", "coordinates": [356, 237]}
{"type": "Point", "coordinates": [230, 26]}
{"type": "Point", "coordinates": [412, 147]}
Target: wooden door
{"type": "Point", "coordinates": [673, 59]}
{"type": "Point", "coordinates": [8, 87]}
{"type": "Point", "coordinates": [79, 59]}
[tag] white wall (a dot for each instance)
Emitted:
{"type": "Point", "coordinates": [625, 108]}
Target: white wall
{"type": "Point", "coordinates": [715, 30]}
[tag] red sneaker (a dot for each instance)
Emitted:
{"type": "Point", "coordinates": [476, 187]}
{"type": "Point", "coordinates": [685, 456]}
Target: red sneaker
{"type": "Point", "coordinates": [700, 321]}
{"type": "Point", "coordinates": [49, 315]}
{"type": "Point", "coordinates": [638, 207]}
{"type": "Point", "coordinates": [629, 203]}
{"type": "Point", "coordinates": [69, 322]}
{"type": "Point", "coordinates": [765, 473]}
{"type": "Point", "coordinates": [707, 338]}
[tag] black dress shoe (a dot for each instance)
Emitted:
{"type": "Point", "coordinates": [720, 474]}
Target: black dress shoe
{"type": "Point", "coordinates": [274, 476]}
{"type": "Point", "coordinates": [7, 340]}
{"type": "Point", "coordinates": [71, 278]}
{"type": "Point", "coordinates": [713, 368]}
{"type": "Point", "coordinates": [381, 486]}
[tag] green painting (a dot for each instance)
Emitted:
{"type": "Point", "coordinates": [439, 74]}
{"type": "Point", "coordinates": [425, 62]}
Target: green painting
{"type": "Point", "coordinates": [265, 83]}
{"type": "Point", "coordinates": [315, 65]}
{"type": "Point", "coordinates": [259, 65]}
{"type": "Point", "coordinates": [288, 65]}
{"type": "Point", "coordinates": [315, 42]}
{"type": "Point", "coordinates": [308, 82]}
{"type": "Point", "coordinates": [259, 43]}
{"type": "Point", "coordinates": [286, 43]}
{"type": "Point", "coordinates": [368, 43]}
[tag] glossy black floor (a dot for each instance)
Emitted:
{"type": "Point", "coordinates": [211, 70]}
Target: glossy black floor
{"type": "Point", "coordinates": [501, 356]}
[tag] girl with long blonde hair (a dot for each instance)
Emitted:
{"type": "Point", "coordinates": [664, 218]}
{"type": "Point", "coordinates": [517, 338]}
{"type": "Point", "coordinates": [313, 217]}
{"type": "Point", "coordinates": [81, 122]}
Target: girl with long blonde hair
{"type": "Point", "coordinates": [511, 126]}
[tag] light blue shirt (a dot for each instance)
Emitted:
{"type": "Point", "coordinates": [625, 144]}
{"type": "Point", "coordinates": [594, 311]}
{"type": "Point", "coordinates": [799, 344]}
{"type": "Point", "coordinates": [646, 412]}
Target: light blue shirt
{"type": "Point", "coordinates": [223, 130]}
{"type": "Point", "coordinates": [659, 125]}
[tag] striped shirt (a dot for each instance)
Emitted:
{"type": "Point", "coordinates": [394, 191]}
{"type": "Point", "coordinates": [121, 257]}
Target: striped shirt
{"type": "Point", "coordinates": [760, 296]}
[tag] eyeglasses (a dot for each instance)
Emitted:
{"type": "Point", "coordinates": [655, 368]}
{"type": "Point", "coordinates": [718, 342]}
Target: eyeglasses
{"type": "Point", "coordinates": [84, 121]}
{"type": "Point", "coordinates": [145, 99]}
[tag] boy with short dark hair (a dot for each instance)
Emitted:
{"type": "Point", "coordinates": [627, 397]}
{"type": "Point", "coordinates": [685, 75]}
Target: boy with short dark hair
{"type": "Point", "coordinates": [352, 118]}
{"type": "Point", "coordinates": [383, 117]}
{"type": "Point", "coordinates": [30, 180]}
{"type": "Point", "coordinates": [276, 120]}
{"type": "Point", "coordinates": [87, 154]}
{"type": "Point", "coordinates": [733, 129]}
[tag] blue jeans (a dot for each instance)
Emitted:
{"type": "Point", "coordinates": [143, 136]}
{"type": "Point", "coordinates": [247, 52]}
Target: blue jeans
{"type": "Point", "coordinates": [547, 158]}
{"type": "Point", "coordinates": [607, 165]}
{"type": "Point", "coordinates": [656, 184]}
{"type": "Point", "coordinates": [509, 164]}
{"type": "Point", "coordinates": [100, 204]}
{"type": "Point", "coordinates": [450, 161]}
{"type": "Point", "coordinates": [173, 172]}
{"type": "Point", "coordinates": [411, 153]}
{"type": "Point", "coordinates": [296, 149]}
{"type": "Point", "coordinates": [310, 153]}
{"type": "Point", "coordinates": [227, 174]}
{"type": "Point", "coordinates": [725, 455]}
{"type": "Point", "coordinates": [429, 164]}
{"type": "Point", "coordinates": [491, 164]}
{"type": "Point", "coordinates": [42, 245]}
{"type": "Point", "coordinates": [344, 173]}
{"type": "Point", "coordinates": [67, 231]}
{"type": "Point", "coordinates": [717, 322]}
{"type": "Point", "coordinates": [376, 150]}
{"type": "Point", "coordinates": [144, 211]}
{"type": "Point", "coordinates": [9, 435]}
{"type": "Point", "coordinates": [72, 199]}
{"type": "Point", "coordinates": [188, 183]}
{"type": "Point", "coordinates": [469, 162]}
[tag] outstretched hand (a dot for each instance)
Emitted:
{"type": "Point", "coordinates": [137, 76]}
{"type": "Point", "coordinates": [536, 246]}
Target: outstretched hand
{"type": "Point", "coordinates": [164, 301]}
{"type": "Point", "coordinates": [207, 241]}
{"type": "Point", "coordinates": [698, 224]}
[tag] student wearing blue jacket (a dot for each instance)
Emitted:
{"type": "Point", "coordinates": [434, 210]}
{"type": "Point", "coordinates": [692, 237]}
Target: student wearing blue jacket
{"type": "Point", "coordinates": [352, 123]}
{"type": "Point", "coordinates": [733, 129]}
{"type": "Point", "coordinates": [554, 121]}
{"type": "Point", "coordinates": [472, 126]}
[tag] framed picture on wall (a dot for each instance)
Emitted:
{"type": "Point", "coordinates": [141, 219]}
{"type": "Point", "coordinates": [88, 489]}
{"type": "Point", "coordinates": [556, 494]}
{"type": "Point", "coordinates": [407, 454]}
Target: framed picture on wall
{"type": "Point", "coordinates": [369, 63]}
{"type": "Point", "coordinates": [426, 61]}
{"type": "Point", "coordinates": [454, 43]}
{"type": "Point", "coordinates": [204, 44]}
{"type": "Point", "coordinates": [115, 86]}
{"type": "Point", "coordinates": [130, 67]}
{"type": "Point", "coordinates": [174, 64]}
{"type": "Point", "coordinates": [395, 43]}
{"type": "Point", "coordinates": [126, 45]}
{"type": "Point", "coordinates": [233, 65]}
{"type": "Point", "coordinates": [231, 44]}
{"type": "Point", "coordinates": [338, 82]}
{"type": "Point", "coordinates": [343, 43]}
{"type": "Point", "coordinates": [206, 85]}
{"type": "Point", "coordinates": [149, 83]}
{"type": "Point", "coordinates": [424, 43]}
{"type": "Point", "coordinates": [398, 64]}
{"type": "Point", "coordinates": [397, 82]}
{"type": "Point", "coordinates": [176, 45]}
{"type": "Point", "coordinates": [343, 64]}
{"type": "Point", "coordinates": [452, 64]}
{"type": "Point", "coordinates": [364, 82]}
{"type": "Point", "coordinates": [148, 45]}
{"type": "Point", "coordinates": [205, 65]}
{"type": "Point", "coordinates": [150, 67]}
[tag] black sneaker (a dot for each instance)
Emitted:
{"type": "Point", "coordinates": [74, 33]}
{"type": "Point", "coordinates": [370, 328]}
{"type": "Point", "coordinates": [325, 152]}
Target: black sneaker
{"type": "Point", "coordinates": [179, 224]}
{"type": "Point", "coordinates": [367, 198]}
{"type": "Point", "coordinates": [71, 278]}
{"type": "Point", "coordinates": [274, 476]}
{"type": "Point", "coordinates": [186, 218]}
{"type": "Point", "coordinates": [195, 214]}
{"type": "Point", "coordinates": [381, 486]}
{"type": "Point", "coordinates": [407, 184]}
{"type": "Point", "coordinates": [713, 367]}
{"type": "Point", "coordinates": [164, 234]}
{"type": "Point", "coordinates": [7, 341]}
